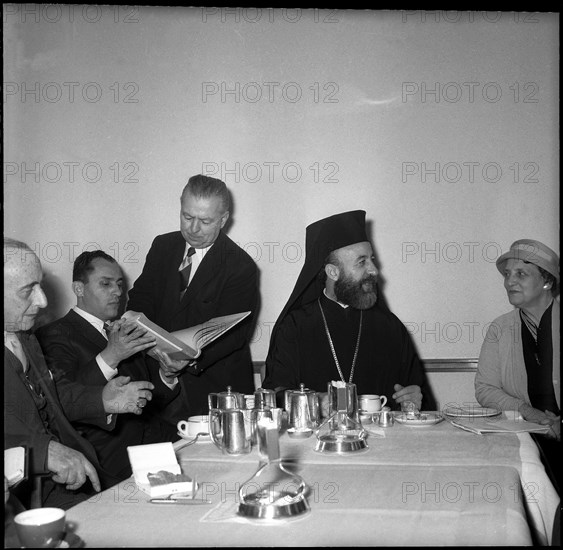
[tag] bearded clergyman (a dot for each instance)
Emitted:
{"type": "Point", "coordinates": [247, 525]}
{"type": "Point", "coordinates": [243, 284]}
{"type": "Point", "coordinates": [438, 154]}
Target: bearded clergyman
{"type": "Point", "coordinates": [333, 328]}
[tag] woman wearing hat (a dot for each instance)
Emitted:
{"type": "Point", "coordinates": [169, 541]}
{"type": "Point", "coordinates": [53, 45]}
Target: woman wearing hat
{"type": "Point", "coordinates": [519, 364]}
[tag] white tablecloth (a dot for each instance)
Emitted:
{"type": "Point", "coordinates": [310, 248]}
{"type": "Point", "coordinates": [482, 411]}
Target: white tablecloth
{"type": "Point", "coordinates": [417, 486]}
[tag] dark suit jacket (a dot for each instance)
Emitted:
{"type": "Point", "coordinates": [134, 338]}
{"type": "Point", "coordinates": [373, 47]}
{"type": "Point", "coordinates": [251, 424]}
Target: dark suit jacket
{"type": "Point", "coordinates": [23, 424]}
{"type": "Point", "coordinates": [224, 283]}
{"type": "Point", "coordinates": [70, 345]}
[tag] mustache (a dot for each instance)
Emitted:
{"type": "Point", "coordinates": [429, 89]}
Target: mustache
{"type": "Point", "coordinates": [371, 279]}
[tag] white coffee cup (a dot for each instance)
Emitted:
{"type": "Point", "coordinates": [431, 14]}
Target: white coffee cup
{"type": "Point", "coordinates": [371, 403]}
{"type": "Point", "coordinates": [194, 425]}
{"type": "Point", "coordinates": [41, 527]}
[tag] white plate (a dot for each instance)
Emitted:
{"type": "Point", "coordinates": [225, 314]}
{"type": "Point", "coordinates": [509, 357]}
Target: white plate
{"type": "Point", "coordinates": [191, 437]}
{"type": "Point", "coordinates": [471, 412]}
{"type": "Point", "coordinates": [426, 419]}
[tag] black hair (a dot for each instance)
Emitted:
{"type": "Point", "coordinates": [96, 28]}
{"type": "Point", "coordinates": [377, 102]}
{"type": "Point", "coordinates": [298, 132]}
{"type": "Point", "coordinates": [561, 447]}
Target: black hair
{"type": "Point", "coordinates": [83, 264]}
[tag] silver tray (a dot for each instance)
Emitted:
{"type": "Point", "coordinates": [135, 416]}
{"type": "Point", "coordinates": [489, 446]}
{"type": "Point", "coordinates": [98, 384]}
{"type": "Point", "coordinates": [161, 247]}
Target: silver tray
{"type": "Point", "coordinates": [278, 506]}
{"type": "Point", "coordinates": [341, 444]}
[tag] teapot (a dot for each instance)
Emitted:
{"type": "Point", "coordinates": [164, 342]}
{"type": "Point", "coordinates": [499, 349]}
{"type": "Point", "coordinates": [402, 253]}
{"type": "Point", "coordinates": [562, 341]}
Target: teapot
{"type": "Point", "coordinates": [303, 410]}
{"type": "Point", "coordinates": [226, 400]}
{"type": "Point", "coordinates": [229, 432]}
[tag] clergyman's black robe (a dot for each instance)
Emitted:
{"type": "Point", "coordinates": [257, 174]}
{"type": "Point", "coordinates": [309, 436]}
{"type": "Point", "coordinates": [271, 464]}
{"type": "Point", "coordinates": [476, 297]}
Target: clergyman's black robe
{"type": "Point", "coordinates": [300, 352]}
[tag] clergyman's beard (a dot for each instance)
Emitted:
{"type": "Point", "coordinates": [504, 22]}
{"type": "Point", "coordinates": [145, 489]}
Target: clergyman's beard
{"type": "Point", "coordinates": [357, 294]}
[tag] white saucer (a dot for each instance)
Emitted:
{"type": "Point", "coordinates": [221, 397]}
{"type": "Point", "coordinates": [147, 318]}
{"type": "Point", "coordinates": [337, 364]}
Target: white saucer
{"type": "Point", "coordinates": [426, 419]}
{"type": "Point", "coordinates": [471, 412]}
{"type": "Point", "coordinates": [206, 437]}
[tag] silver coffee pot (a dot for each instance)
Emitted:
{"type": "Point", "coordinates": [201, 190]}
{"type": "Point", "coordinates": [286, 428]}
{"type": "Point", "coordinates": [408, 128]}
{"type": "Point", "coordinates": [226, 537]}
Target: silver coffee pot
{"type": "Point", "coordinates": [303, 410]}
{"type": "Point", "coordinates": [226, 400]}
{"type": "Point", "coordinates": [229, 432]}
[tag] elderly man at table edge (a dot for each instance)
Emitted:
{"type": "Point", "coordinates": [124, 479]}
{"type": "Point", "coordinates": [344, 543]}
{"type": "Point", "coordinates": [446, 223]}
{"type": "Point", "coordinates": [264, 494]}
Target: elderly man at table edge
{"type": "Point", "coordinates": [332, 327]}
{"type": "Point", "coordinates": [221, 279]}
{"type": "Point", "coordinates": [87, 347]}
{"type": "Point", "coordinates": [38, 414]}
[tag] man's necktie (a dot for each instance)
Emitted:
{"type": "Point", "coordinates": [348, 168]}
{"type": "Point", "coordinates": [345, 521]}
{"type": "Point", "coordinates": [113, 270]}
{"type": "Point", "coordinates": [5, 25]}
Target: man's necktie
{"type": "Point", "coordinates": [185, 270]}
{"type": "Point", "coordinates": [107, 329]}
{"type": "Point", "coordinates": [14, 345]}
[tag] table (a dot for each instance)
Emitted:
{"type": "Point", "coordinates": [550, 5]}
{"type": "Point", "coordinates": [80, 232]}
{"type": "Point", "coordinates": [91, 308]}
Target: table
{"type": "Point", "coordinates": [415, 487]}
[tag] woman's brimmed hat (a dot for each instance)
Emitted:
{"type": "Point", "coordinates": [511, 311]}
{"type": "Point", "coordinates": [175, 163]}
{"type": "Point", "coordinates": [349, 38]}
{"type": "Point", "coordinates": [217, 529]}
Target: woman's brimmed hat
{"type": "Point", "coordinates": [532, 252]}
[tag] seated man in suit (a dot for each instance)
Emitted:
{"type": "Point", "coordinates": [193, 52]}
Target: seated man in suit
{"type": "Point", "coordinates": [33, 413]}
{"type": "Point", "coordinates": [191, 276]}
{"type": "Point", "coordinates": [82, 346]}
{"type": "Point", "coordinates": [332, 327]}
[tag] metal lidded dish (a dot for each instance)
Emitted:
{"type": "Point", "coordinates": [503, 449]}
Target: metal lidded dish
{"type": "Point", "coordinates": [272, 492]}
{"type": "Point", "coordinates": [340, 443]}
{"type": "Point", "coordinates": [342, 431]}
{"type": "Point", "coordinates": [273, 505]}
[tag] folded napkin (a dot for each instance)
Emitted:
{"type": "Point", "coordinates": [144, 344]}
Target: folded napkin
{"type": "Point", "coordinates": [157, 472]}
{"type": "Point", "coordinates": [497, 425]}
{"type": "Point", "coordinates": [374, 430]}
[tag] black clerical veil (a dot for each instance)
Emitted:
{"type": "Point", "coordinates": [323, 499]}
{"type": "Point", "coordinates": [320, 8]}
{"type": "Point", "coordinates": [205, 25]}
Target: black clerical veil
{"type": "Point", "coordinates": [323, 237]}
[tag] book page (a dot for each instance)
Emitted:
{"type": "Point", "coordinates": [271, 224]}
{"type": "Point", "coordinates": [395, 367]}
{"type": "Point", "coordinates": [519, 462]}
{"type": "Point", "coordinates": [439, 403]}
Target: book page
{"type": "Point", "coordinates": [199, 336]}
{"type": "Point", "coordinates": [165, 342]}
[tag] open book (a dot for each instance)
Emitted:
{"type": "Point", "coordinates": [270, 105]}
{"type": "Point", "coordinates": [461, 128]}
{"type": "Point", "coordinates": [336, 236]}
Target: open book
{"type": "Point", "coordinates": [186, 343]}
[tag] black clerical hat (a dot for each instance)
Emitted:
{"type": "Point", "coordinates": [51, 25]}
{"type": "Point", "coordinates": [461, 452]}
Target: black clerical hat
{"type": "Point", "coordinates": [323, 237]}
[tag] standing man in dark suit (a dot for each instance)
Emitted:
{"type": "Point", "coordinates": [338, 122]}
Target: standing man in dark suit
{"type": "Point", "coordinates": [191, 276]}
{"type": "Point", "coordinates": [33, 414]}
{"type": "Point", "coordinates": [84, 347]}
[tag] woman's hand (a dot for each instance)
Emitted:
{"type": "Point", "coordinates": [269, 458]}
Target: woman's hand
{"type": "Point", "coordinates": [554, 422]}
{"type": "Point", "coordinates": [408, 394]}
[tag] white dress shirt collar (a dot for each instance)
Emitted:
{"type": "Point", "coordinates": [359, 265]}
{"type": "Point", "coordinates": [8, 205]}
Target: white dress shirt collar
{"type": "Point", "coordinates": [98, 324]}
{"type": "Point", "coordinates": [197, 257]}
{"type": "Point", "coordinates": [199, 252]}
{"type": "Point", "coordinates": [13, 343]}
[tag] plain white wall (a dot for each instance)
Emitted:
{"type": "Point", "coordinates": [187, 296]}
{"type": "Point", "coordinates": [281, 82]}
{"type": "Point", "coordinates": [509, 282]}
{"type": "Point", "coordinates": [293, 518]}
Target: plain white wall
{"type": "Point", "coordinates": [303, 113]}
